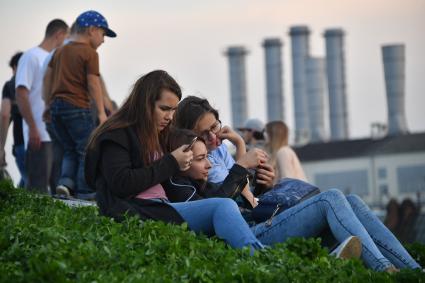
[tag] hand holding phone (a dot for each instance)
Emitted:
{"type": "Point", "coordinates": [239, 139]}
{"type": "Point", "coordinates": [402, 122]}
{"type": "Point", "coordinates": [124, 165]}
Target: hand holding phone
{"type": "Point", "coordinates": [189, 147]}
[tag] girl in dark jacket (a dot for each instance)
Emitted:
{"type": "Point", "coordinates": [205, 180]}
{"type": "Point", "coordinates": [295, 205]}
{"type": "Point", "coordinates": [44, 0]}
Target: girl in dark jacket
{"type": "Point", "coordinates": [192, 184]}
{"type": "Point", "coordinates": [127, 161]}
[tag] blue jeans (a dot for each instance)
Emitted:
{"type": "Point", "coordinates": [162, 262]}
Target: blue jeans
{"type": "Point", "coordinates": [387, 243]}
{"type": "Point", "coordinates": [345, 217]}
{"type": "Point", "coordinates": [218, 216]}
{"type": "Point", "coordinates": [19, 154]}
{"type": "Point", "coordinates": [57, 157]}
{"type": "Point", "coordinates": [73, 126]}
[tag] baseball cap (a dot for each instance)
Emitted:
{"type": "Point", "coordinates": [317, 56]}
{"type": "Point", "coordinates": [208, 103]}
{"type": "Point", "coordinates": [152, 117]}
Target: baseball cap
{"type": "Point", "coordinates": [253, 124]}
{"type": "Point", "coordinates": [94, 19]}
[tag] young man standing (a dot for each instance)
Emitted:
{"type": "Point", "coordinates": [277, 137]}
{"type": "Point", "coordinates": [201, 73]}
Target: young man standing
{"type": "Point", "coordinates": [29, 81]}
{"type": "Point", "coordinates": [10, 113]}
{"type": "Point", "coordinates": [74, 75]}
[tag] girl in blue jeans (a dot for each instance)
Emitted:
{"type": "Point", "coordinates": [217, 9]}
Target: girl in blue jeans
{"type": "Point", "coordinates": [346, 216]}
{"type": "Point", "coordinates": [127, 162]}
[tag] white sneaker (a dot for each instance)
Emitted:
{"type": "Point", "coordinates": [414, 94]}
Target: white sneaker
{"type": "Point", "coordinates": [62, 190]}
{"type": "Point", "coordinates": [350, 248]}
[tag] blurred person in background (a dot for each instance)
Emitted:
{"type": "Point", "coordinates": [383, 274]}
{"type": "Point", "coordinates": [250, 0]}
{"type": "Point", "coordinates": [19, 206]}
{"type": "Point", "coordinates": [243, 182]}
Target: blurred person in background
{"type": "Point", "coordinates": [9, 113]}
{"type": "Point", "coordinates": [28, 83]}
{"type": "Point", "coordinates": [282, 157]}
{"type": "Point", "coordinates": [253, 133]}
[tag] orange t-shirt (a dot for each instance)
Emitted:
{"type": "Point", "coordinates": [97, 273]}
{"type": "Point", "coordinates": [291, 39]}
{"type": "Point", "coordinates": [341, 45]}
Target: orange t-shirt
{"type": "Point", "coordinates": [70, 66]}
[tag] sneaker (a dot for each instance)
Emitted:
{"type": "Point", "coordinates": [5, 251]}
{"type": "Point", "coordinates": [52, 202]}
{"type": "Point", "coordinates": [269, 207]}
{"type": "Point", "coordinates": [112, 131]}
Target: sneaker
{"type": "Point", "coordinates": [350, 248]}
{"type": "Point", "coordinates": [392, 269]}
{"type": "Point", "coordinates": [62, 190]}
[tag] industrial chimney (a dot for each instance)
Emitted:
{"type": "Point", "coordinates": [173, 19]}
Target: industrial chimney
{"type": "Point", "coordinates": [335, 67]}
{"type": "Point", "coordinates": [238, 96]}
{"type": "Point", "coordinates": [394, 71]}
{"type": "Point", "coordinates": [274, 76]}
{"type": "Point", "coordinates": [316, 77]}
{"type": "Point", "coordinates": [300, 52]}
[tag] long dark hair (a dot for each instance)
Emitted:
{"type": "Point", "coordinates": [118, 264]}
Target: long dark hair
{"type": "Point", "coordinates": [179, 137]}
{"type": "Point", "coordinates": [138, 111]}
{"type": "Point", "coordinates": [190, 110]}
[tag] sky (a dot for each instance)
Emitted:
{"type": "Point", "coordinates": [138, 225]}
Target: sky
{"type": "Point", "coordinates": [187, 38]}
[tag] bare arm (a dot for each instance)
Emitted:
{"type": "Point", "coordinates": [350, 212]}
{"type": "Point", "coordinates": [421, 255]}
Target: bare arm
{"type": "Point", "coordinates": [284, 164]}
{"type": "Point", "coordinates": [95, 91]}
{"type": "Point", "coordinates": [299, 171]}
{"type": "Point", "coordinates": [246, 192]}
{"type": "Point", "coordinates": [22, 99]}
{"type": "Point", "coordinates": [240, 148]}
{"type": "Point", "coordinates": [228, 133]}
{"type": "Point", "coordinates": [106, 99]}
{"type": "Point", "coordinates": [6, 107]}
{"type": "Point", "coordinates": [47, 85]}
{"type": "Point", "coordinates": [108, 103]}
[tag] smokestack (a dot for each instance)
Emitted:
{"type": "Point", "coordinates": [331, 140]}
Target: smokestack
{"type": "Point", "coordinates": [300, 52]}
{"type": "Point", "coordinates": [335, 67]}
{"type": "Point", "coordinates": [315, 98]}
{"type": "Point", "coordinates": [238, 98]}
{"type": "Point", "coordinates": [394, 70]}
{"type": "Point", "coordinates": [274, 77]}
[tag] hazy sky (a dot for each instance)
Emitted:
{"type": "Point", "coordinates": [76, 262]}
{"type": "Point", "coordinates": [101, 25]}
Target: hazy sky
{"type": "Point", "coordinates": [187, 38]}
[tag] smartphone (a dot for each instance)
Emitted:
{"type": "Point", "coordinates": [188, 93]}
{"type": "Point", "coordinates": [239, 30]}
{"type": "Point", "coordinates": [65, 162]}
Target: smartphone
{"type": "Point", "coordinates": [189, 147]}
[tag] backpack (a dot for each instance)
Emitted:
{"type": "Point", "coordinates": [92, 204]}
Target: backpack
{"type": "Point", "coordinates": [285, 194]}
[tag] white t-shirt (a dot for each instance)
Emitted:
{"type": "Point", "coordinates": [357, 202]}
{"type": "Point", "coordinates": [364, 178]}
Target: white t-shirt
{"type": "Point", "coordinates": [30, 75]}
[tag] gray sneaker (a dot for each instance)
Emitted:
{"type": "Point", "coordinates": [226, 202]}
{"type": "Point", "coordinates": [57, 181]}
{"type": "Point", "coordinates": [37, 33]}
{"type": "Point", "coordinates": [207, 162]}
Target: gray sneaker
{"type": "Point", "coordinates": [62, 190]}
{"type": "Point", "coordinates": [350, 248]}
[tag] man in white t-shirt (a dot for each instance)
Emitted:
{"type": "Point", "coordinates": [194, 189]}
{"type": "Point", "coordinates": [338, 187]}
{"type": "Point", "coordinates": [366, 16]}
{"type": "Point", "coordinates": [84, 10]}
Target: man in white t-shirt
{"type": "Point", "coordinates": [29, 83]}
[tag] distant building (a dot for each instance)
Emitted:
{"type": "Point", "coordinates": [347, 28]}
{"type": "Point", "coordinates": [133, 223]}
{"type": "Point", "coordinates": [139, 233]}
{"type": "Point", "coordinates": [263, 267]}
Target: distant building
{"type": "Point", "coordinates": [335, 68]}
{"type": "Point", "coordinates": [393, 57]}
{"type": "Point", "coordinates": [274, 79]}
{"type": "Point", "coordinates": [375, 169]}
{"type": "Point", "coordinates": [238, 92]}
{"type": "Point", "coordinates": [300, 52]}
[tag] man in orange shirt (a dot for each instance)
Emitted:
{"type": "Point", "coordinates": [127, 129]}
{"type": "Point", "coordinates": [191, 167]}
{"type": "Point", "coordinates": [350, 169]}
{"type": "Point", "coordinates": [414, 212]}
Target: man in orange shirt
{"type": "Point", "coordinates": [74, 75]}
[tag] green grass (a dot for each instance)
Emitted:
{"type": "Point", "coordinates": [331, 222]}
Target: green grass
{"type": "Point", "coordinates": [42, 240]}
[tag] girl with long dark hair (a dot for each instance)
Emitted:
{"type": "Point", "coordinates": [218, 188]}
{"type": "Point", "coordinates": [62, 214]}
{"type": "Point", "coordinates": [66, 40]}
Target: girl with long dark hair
{"type": "Point", "coordinates": [127, 161]}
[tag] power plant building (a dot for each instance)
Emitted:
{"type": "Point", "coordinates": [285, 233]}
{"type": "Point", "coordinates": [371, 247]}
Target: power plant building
{"type": "Point", "coordinates": [274, 79]}
{"type": "Point", "coordinates": [316, 83]}
{"type": "Point", "coordinates": [238, 92]}
{"type": "Point", "coordinates": [388, 165]}
{"type": "Point", "coordinates": [300, 50]}
{"type": "Point", "coordinates": [335, 67]}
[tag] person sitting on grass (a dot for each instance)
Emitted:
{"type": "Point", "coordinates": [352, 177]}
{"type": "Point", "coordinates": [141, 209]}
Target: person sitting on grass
{"type": "Point", "coordinates": [127, 161]}
{"type": "Point", "coordinates": [346, 216]}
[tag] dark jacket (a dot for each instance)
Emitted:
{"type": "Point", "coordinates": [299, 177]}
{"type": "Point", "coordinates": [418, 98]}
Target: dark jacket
{"type": "Point", "coordinates": [115, 170]}
{"type": "Point", "coordinates": [180, 188]}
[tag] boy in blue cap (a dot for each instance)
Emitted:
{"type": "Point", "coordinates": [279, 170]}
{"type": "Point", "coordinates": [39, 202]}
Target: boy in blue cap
{"type": "Point", "coordinates": [74, 76]}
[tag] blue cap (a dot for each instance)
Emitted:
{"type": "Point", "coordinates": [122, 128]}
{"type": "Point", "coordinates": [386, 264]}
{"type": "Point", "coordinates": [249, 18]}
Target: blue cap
{"type": "Point", "coordinates": [94, 19]}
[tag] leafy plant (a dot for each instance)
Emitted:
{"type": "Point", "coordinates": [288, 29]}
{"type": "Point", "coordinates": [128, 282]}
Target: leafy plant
{"type": "Point", "coordinates": [43, 240]}
{"type": "Point", "coordinates": [417, 251]}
